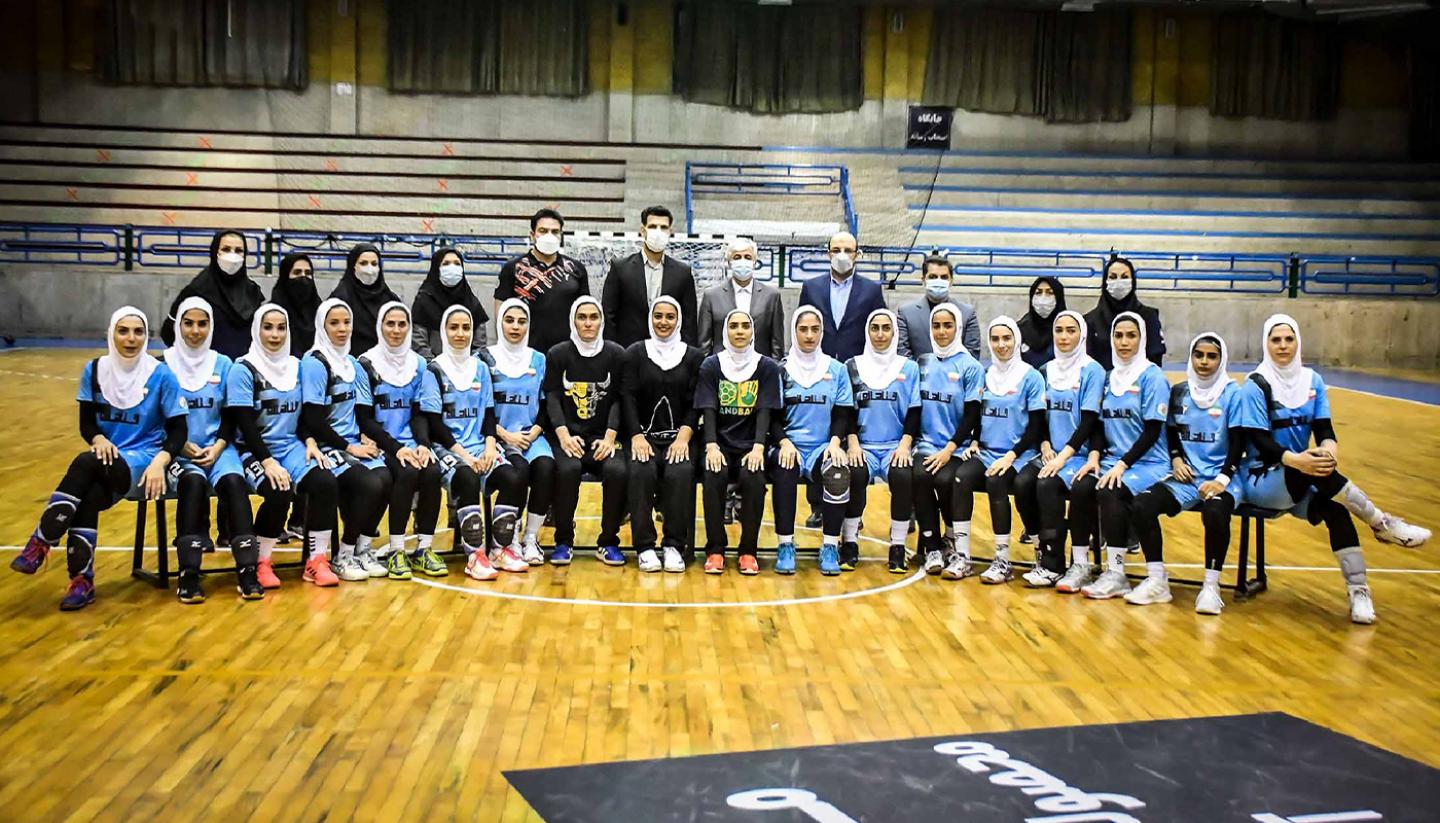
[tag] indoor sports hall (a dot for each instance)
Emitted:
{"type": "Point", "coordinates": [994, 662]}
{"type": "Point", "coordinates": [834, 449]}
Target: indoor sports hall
{"type": "Point", "coordinates": [742, 410]}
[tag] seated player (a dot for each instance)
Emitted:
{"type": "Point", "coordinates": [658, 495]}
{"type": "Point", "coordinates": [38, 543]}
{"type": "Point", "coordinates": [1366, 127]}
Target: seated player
{"type": "Point", "coordinates": [517, 372]}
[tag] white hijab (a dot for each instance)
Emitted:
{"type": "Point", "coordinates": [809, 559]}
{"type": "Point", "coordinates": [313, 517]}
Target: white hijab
{"type": "Point", "coordinates": [738, 364]}
{"type": "Point", "coordinates": [804, 368]}
{"type": "Point", "coordinates": [396, 365]}
{"type": "Point", "coordinates": [1004, 376]}
{"type": "Point", "coordinates": [1206, 392]}
{"type": "Point", "coordinates": [665, 352]}
{"type": "Point", "coordinates": [278, 368]}
{"type": "Point", "coordinates": [1063, 373]}
{"type": "Point", "coordinates": [877, 368]}
{"type": "Point", "coordinates": [512, 359]}
{"type": "Point", "coordinates": [193, 367]}
{"type": "Point", "coordinates": [122, 379]}
{"type": "Point", "coordinates": [1126, 372]}
{"type": "Point", "coordinates": [1290, 386]}
{"type": "Point", "coordinates": [595, 346]}
{"type": "Point", "coordinates": [337, 356]}
{"type": "Point", "coordinates": [957, 344]}
{"type": "Point", "coordinates": [460, 365]}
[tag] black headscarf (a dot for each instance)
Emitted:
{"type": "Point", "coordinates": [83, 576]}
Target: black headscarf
{"type": "Point", "coordinates": [233, 297]}
{"type": "Point", "coordinates": [364, 301]}
{"type": "Point", "coordinates": [1038, 333]}
{"type": "Point", "coordinates": [434, 298]}
{"type": "Point", "coordinates": [300, 299]}
{"type": "Point", "coordinates": [1100, 318]}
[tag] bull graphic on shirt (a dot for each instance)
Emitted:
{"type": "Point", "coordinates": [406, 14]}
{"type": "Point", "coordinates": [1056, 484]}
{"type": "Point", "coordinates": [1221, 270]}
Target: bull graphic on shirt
{"type": "Point", "coordinates": [586, 396]}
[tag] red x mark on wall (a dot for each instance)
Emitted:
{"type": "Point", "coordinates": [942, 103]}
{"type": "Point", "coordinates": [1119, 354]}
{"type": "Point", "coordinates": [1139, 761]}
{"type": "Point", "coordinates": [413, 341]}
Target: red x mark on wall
{"type": "Point", "coordinates": [567, 171]}
{"type": "Point", "coordinates": [102, 155]}
{"type": "Point", "coordinates": [168, 217]}
{"type": "Point", "coordinates": [73, 194]}
{"type": "Point", "coordinates": [191, 178]}
{"type": "Point", "coordinates": [331, 165]}
{"type": "Point", "coordinates": [314, 201]}
{"type": "Point", "coordinates": [204, 142]}
{"type": "Point", "coordinates": [442, 185]}
{"type": "Point", "coordinates": [428, 225]}
{"type": "Point", "coordinates": [447, 149]}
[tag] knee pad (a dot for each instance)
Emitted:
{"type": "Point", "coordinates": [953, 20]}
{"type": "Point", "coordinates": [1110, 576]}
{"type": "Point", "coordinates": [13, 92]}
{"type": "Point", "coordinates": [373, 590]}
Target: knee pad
{"type": "Point", "coordinates": [503, 523]}
{"type": "Point", "coordinates": [80, 552]}
{"type": "Point", "coordinates": [190, 549]}
{"type": "Point", "coordinates": [835, 483]}
{"type": "Point", "coordinates": [472, 527]}
{"type": "Point", "coordinates": [244, 550]}
{"type": "Point", "coordinates": [59, 514]}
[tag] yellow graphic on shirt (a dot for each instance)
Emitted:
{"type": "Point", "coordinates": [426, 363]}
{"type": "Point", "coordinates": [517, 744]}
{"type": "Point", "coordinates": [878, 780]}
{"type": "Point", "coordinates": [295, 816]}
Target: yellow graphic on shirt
{"type": "Point", "coordinates": [585, 395]}
{"type": "Point", "coordinates": [739, 398]}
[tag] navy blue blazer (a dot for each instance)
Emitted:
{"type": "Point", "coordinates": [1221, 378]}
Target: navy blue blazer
{"type": "Point", "coordinates": [845, 339]}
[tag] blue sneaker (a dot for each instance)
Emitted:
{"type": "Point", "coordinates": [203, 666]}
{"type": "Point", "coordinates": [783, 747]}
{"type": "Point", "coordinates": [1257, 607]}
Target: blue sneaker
{"type": "Point", "coordinates": [32, 557]}
{"type": "Point", "coordinates": [79, 594]}
{"type": "Point", "coordinates": [610, 555]}
{"type": "Point", "coordinates": [785, 559]}
{"type": "Point", "coordinates": [560, 555]}
{"type": "Point", "coordinates": [829, 560]}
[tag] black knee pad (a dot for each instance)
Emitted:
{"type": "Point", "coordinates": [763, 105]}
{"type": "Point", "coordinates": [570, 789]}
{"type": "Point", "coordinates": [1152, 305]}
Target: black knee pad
{"type": "Point", "coordinates": [190, 549]}
{"type": "Point", "coordinates": [502, 524]}
{"type": "Point", "coordinates": [835, 483]}
{"type": "Point", "coordinates": [244, 549]}
{"type": "Point", "coordinates": [472, 527]}
{"type": "Point", "coordinates": [58, 516]}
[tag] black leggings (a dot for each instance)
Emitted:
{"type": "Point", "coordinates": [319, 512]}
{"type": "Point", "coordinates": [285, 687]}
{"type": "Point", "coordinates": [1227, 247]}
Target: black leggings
{"type": "Point", "coordinates": [752, 503]}
{"type": "Point", "coordinates": [786, 483]}
{"type": "Point", "coordinates": [363, 495]}
{"type": "Point", "coordinates": [1158, 500]}
{"type": "Point", "coordinates": [1027, 496]}
{"type": "Point", "coordinates": [672, 485]}
{"type": "Point", "coordinates": [568, 471]}
{"type": "Point", "coordinates": [902, 494]}
{"type": "Point", "coordinates": [88, 488]}
{"type": "Point", "coordinates": [407, 481]}
{"type": "Point", "coordinates": [320, 490]}
{"type": "Point", "coordinates": [538, 476]}
{"type": "Point", "coordinates": [192, 518]}
{"type": "Point", "coordinates": [969, 477]}
{"type": "Point", "coordinates": [1083, 516]}
{"type": "Point", "coordinates": [1323, 507]}
{"type": "Point", "coordinates": [934, 499]}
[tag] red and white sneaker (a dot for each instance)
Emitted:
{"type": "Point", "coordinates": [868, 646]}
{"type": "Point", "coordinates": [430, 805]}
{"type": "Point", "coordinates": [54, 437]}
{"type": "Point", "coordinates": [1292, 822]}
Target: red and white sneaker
{"type": "Point", "coordinates": [265, 573]}
{"type": "Point", "coordinates": [715, 563]}
{"type": "Point", "coordinates": [506, 560]}
{"type": "Point", "coordinates": [748, 564]}
{"type": "Point", "coordinates": [317, 571]}
{"type": "Point", "coordinates": [479, 568]}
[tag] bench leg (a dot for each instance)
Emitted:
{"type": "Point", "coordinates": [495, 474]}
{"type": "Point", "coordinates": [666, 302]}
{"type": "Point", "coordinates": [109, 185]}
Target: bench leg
{"type": "Point", "coordinates": [137, 561]}
{"type": "Point", "coordinates": [1242, 571]}
{"type": "Point", "coordinates": [1259, 584]}
{"type": "Point", "coordinates": [162, 531]}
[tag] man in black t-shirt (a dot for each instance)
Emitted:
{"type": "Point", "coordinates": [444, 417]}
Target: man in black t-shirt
{"type": "Point", "coordinates": [547, 280]}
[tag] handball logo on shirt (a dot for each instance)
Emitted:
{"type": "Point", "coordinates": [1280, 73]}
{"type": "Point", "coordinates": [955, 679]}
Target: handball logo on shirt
{"type": "Point", "coordinates": [739, 398]}
{"type": "Point", "coordinates": [586, 396]}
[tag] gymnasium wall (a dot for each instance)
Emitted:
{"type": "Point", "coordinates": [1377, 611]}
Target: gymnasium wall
{"type": "Point", "coordinates": [47, 75]}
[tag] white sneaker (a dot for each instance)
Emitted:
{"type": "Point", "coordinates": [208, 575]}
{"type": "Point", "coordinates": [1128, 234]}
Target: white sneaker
{"type": "Point", "coordinates": [348, 569]}
{"type": "Point", "coordinates": [1208, 601]}
{"type": "Point", "coordinates": [999, 572]}
{"type": "Point", "coordinates": [958, 568]}
{"type": "Point", "coordinates": [506, 560]}
{"type": "Point", "coordinates": [1075, 578]}
{"type": "Point", "coordinates": [1362, 606]}
{"type": "Point", "coordinates": [649, 561]}
{"type": "Point", "coordinates": [530, 552]}
{"type": "Point", "coordinates": [479, 568]}
{"type": "Point", "coordinates": [1151, 591]}
{"type": "Point", "coordinates": [1110, 583]}
{"type": "Point", "coordinates": [674, 560]}
{"type": "Point", "coordinates": [934, 561]}
{"type": "Point", "coordinates": [1040, 578]}
{"type": "Point", "coordinates": [365, 558]}
{"type": "Point", "coordinates": [1394, 530]}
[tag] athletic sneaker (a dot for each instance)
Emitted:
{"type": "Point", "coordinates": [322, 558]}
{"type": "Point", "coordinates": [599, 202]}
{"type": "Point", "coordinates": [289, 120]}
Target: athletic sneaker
{"type": "Point", "coordinates": [849, 556]}
{"type": "Point", "coordinates": [530, 552]}
{"type": "Point", "coordinates": [79, 594]}
{"type": "Point", "coordinates": [1078, 576]}
{"type": "Point", "coordinates": [1208, 601]}
{"type": "Point", "coordinates": [610, 555]}
{"type": "Point", "coordinates": [428, 563]}
{"type": "Point", "coordinates": [785, 558]}
{"type": "Point", "coordinates": [1362, 606]}
{"type": "Point", "coordinates": [1150, 592]}
{"type": "Point", "coordinates": [1110, 583]}
{"type": "Point", "coordinates": [749, 564]}
{"type": "Point", "coordinates": [1133, 548]}
{"type": "Point", "coordinates": [366, 559]}
{"type": "Point", "coordinates": [347, 568]}
{"type": "Point", "coordinates": [715, 563]}
{"type": "Point", "coordinates": [32, 557]}
{"type": "Point", "coordinates": [1040, 578]}
{"type": "Point", "coordinates": [189, 590]}
{"type": "Point", "coordinates": [934, 562]}
{"type": "Point", "coordinates": [265, 574]}
{"type": "Point", "coordinates": [1394, 530]}
{"type": "Point", "coordinates": [829, 560]}
{"type": "Point", "coordinates": [897, 560]}
{"type": "Point", "coordinates": [649, 561]}
{"type": "Point", "coordinates": [1000, 571]}
{"type": "Point", "coordinates": [317, 571]}
{"type": "Point", "coordinates": [813, 521]}
{"type": "Point", "coordinates": [292, 533]}
{"type": "Point", "coordinates": [959, 567]}
{"type": "Point", "coordinates": [478, 567]}
{"type": "Point", "coordinates": [1026, 539]}
{"type": "Point", "coordinates": [674, 560]}
{"type": "Point", "coordinates": [397, 566]}
{"type": "Point", "coordinates": [248, 586]}
{"type": "Point", "coordinates": [561, 555]}
{"type": "Point", "coordinates": [506, 560]}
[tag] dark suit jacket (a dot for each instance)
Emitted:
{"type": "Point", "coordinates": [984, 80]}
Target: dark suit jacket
{"type": "Point", "coordinates": [627, 309]}
{"type": "Point", "coordinates": [845, 339]}
{"type": "Point", "coordinates": [767, 315]}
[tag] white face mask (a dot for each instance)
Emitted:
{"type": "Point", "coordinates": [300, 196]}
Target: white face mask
{"type": "Point", "coordinates": [547, 244]}
{"type": "Point", "coordinates": [230, 262]}
{"type": "Point", "coordinates": [1044, 304]}
{"type": "Point", "coordinates": [367, 274]}
{"type": "Point", "coordinates": [657, 239]}
{"type": "Point", "coordinates": [742, 269]}
{"type": "Point", "coordinates": [451, 274]}
{"type": "Point", "coordinates": [842, 262]}
{"type": "Point", "coordinates": [1119, 289]}
{"type": "Point", "coordinates": [937, 289]}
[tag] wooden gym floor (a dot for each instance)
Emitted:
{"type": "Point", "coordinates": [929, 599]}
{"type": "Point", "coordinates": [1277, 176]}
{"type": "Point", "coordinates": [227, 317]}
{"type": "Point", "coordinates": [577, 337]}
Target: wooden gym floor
{"type": "Point", "coordinates": [391, 701]}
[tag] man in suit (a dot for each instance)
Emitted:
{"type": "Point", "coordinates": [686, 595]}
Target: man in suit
{"type": "Point", "coordinates": [740, 290]}
{"type": "Point", "coordinates": [914, 318]}
{"type": "Point", "coordinates": [844, 300]}
{"type": "Point", "coordinates": [634, 282]}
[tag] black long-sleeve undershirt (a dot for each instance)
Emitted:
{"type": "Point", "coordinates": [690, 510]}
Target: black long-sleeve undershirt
{"type": "Point", "coordinates": [1269, 449]}
{"type": "Point", "coordinates": [443, 437]}
{"type": "Point", "coordinates": [89, 424]}
{"type": "Point", "coordinates": [1034, 433]}
{"type": "Point", "coordinates": [1088, 421]}
{"type": "Point", "coordinates": [843, 421]}
{"type": "Point", "coordinates": [371, 428]}
{"type": "Point", "coordinates": [1323, 429]}
{"type": "Point", "coordinates": [912, 423]}
{"type": "Point", "coordinates": [247, 420]}
{"type": "Point", "coordinates": [969, 427]}
{"type": "Point", "coordinates": [316, 418]}
{"type": "Point", "coordinates": [1234, 450]}
{"type": "Point", "coordinates": [1149, 436]}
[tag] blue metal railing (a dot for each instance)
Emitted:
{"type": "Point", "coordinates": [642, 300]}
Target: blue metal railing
{"type": "Point", "coordinates": [769, 179]}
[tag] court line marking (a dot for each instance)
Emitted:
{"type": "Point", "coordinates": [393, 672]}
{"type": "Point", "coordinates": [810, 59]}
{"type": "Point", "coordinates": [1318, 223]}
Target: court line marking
{"type": "Point", "coordinates": [1384, 396]}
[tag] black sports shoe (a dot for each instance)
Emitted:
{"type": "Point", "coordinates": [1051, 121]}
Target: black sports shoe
{"type": "Point", "coordinates": [813, 521]}
{"type": "Point", "coordinates": [897, 560]}
{"type": "Point", "coordinates": [730, 508]}
{"type": "Point", "coordinates": [248, 584]}
{"type": "Point", "coordinates": [849, 556]}
{"type": "Point", "coordinates": [189, 590]}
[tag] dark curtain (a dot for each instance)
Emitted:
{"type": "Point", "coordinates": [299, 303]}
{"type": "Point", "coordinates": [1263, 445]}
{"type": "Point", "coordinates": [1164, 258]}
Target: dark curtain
{"type": "Point", "coordinates": [1425, 102]}
{"type": "Point", "coordinates": [205, 43]}
{"type": "Point", "coordinates": [1274, 67]}
{"type": "Point", "coordinates": [1065, 67]}
{"type": "Point", "coordinates": [770, 60]}
{"type": "Point", "coordinates": [537, 47]}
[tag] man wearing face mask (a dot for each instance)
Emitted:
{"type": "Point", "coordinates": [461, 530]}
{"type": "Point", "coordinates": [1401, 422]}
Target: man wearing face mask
{"type": "Point", "coordinates": [635, 282]}
{"type": "Point", "coordinates": [914, 317]}
{"type": "Point", "coordinates": [740, 290]}
{"type": "Point", "coordinates": [845, 301]}
{"type": "Point", "coordinates": [226, 286]}
{"type": "Point", "coordinates": [548, 281]}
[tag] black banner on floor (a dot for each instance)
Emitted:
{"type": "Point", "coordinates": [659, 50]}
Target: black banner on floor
{"type": "Point", "coordinates": [1264, 768]}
